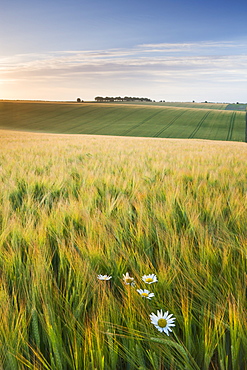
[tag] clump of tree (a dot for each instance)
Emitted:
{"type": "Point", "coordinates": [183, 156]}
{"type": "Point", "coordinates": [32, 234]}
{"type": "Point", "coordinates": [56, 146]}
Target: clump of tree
{"type": "Point", "coordinates": [119, 98]}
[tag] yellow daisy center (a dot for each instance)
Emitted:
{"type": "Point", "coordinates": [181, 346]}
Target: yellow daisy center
{"type": "Point", "coordinates": [145, 294]}
{"type": "Point", "coordinates": [162, 323]}
{"type": "Point", "coordinates": [148, 280]}
{"type": "Point", "coordinates": [128, 280]}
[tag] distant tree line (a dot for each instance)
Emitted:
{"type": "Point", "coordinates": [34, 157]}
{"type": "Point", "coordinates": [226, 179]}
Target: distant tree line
{"type": "Point", "coordinates": [119, 98]}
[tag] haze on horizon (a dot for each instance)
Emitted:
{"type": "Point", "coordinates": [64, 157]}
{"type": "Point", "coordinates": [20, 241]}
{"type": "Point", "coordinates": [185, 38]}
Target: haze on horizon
{"type": "Point", "coordinates": [163, 50]}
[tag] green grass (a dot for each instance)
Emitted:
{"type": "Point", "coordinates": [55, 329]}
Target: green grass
{"type": "Point", "coordinates": [124, 120]}
{"type": "Point", "coordinates": [73, 207]}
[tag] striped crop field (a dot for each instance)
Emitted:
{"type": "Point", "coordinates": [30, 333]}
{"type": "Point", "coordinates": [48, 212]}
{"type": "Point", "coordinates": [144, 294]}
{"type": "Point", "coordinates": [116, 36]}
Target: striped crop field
{"type": "Point", "coordinates": [74, 208]}
{"type": "Point", "coordinates": [124, 120]}
{"type": "Point", "coordinates": [220, 106]}
{"type": "Point", "coordinates": [204, 105]}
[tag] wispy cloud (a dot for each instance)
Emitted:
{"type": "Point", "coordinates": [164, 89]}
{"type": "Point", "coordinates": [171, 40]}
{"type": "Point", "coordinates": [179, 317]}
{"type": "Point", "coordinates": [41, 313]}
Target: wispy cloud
{"type": "Point", "coordinates": [219, 46]}
{"type": "Point", "coordinates": [156, 63]}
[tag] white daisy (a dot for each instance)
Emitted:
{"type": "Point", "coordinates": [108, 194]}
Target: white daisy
{"type": "Point", "coordinates": [162, 322]}
{"type": "Point", "coordinates": [145, 293]}
{"type": "Point", "coordinates": [104, 277]}
{"type": "Point", "coordinates": [128, 280]}
{"type": "Point", "coordinates": [149, 279]}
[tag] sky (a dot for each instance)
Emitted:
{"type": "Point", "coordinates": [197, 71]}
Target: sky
{"type": "Point", "coordinates": [164, 50]}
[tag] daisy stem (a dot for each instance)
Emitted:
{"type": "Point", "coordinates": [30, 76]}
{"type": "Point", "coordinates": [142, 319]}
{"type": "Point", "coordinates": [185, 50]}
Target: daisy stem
{"type": "Point", "coordinates": [129, 296]}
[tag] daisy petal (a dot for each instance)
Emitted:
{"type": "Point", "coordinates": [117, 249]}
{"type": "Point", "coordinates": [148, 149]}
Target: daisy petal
{"type": "Point", "coordinates": [162, 321]}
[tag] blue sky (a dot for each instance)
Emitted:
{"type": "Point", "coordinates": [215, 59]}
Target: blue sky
{"type": "Point", "coordinates": [170, 50]}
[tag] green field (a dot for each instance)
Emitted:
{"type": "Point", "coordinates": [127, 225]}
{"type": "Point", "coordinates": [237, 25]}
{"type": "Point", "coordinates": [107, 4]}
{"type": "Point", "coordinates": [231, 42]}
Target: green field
{"type": "Point", "coordinates": [204, 105]}
{"type": "Point", "coordinates": [74, 206]}
{"type": "Point", "coordinates": [208, 105]}
{"type": "Point", "coordinates": [196, 105]}
{"type": "Point", "coordinates": [124, 120]}
{"type": "Point", "coordinates": [221, 106]}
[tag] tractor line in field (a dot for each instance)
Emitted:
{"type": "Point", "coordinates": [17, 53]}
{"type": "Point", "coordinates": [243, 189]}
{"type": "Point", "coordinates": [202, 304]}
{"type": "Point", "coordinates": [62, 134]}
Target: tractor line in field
{"type": "Point", "coordinates": [109, 123]}
{"type": "Point", "coordinates": [140, 123]}
{"type": "Point", "coordinates": [231, 125]}
{"type": "Point", "coordinates": [55, 115]}
{"type": "Point", "coordinates": [90, 121]}
{"type": "Point", "coordinates": [168, 125]}
{"type": "Point", "coordinates": [198, 125]}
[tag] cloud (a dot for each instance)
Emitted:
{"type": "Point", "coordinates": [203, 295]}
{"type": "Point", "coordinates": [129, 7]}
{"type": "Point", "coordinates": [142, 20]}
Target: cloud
{"type": "Point", "coordinates": [173, 64]}
{"type": "Point", "coordinates": [78, 65]}
{"type": "Point", "coordinates": [203, 45]}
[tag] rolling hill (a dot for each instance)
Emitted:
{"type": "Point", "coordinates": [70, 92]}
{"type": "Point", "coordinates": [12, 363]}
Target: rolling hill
{"type": "Point", "coordinates": [141, 120]}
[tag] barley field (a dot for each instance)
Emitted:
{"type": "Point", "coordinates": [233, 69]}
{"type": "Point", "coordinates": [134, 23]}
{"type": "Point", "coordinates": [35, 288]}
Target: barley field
{"type": "Point", "coordinates": [140, 120]}
{"type": "Point", "coordinates": [73, 207]}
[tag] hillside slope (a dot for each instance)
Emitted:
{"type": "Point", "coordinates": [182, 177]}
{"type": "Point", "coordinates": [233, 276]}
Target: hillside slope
{"type": "Point", "coordinates": [123, 120]}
